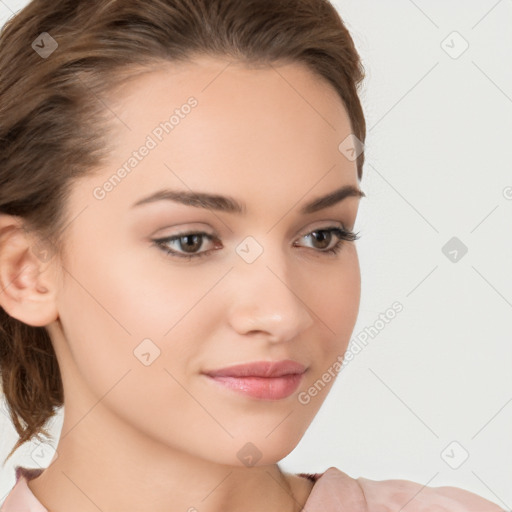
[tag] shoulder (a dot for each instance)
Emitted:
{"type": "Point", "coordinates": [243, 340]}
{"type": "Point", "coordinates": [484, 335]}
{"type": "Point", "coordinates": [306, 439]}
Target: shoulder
{"type": "Point", "coordinates": [21, 498]}
{"type": "Point", "coordinates": [404, 495]}
{"type": "Point", "coordinates": [420, 498]}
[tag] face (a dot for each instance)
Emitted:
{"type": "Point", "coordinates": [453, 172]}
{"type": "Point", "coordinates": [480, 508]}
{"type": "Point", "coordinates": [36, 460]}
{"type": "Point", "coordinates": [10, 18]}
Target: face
{"type": "Point", "coordinates": [139, 322]}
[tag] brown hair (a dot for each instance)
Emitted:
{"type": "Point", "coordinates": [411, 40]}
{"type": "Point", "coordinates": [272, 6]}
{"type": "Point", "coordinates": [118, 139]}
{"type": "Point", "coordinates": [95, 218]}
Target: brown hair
{"type": "Point", "coordinates": [52, 117]}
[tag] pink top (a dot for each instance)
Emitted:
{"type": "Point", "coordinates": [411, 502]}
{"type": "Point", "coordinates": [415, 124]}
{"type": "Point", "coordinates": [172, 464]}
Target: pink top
{"type": "Point", "coordinates": [333, 491]}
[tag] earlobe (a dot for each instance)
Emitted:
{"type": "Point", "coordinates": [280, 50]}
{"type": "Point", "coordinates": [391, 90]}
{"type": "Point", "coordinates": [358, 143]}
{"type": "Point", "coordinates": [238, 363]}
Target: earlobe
{"type": "Point", "coordinates": [27, 290]}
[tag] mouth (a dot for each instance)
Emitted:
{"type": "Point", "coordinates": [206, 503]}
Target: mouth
{"type": "Point", "coordinates": [265, 380]}
{"type": "Point", "coordinates": [260, 369]}
{"type": "Point", "coordinates": [264, 388]}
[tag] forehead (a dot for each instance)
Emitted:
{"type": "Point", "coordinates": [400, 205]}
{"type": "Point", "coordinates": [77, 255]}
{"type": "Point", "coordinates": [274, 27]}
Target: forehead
{"type": "Point", "coordinates": [221, 126]}
{"type": "Point", "coordinates": [232, 97]}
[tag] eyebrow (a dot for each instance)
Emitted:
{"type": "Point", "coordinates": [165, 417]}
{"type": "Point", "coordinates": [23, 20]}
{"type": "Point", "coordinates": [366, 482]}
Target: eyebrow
{"type": "Point", "coordinates": [231, 205]}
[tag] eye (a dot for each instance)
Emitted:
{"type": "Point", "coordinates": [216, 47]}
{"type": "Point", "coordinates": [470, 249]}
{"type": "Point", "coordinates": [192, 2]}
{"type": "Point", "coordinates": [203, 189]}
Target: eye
{"type": "Point", "coordinates": [192, 241]}
{"type": "Point", "coordinates": [341, 235]}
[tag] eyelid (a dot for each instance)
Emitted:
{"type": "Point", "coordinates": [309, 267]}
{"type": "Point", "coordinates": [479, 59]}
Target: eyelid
{"type": "Point", "coordinates": [340, 232]}
{"type": "Point", "coordinates": [317, 225]}
{"type": "Point", "coordinates": [321, 225]}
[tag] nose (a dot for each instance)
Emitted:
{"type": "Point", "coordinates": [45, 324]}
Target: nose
{"type": "Point", "coordinates": [269, 302]}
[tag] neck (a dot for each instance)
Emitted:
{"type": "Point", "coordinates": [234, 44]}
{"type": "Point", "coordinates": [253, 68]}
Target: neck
{"type": "Point", "coordinates": [122, 474]}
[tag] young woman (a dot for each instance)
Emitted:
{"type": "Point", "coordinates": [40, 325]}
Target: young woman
{"type": "Point", "coordinates": [179, 187]}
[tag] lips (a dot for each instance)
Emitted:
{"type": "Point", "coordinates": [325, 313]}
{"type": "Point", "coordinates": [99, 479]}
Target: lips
{"type": "Point", "coordinates": [263, 380]}
{"type": "Point", "coordinates": [260, 369]}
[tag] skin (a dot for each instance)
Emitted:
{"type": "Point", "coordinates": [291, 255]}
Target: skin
{"type": "Point", "coordinates": [163, 437]}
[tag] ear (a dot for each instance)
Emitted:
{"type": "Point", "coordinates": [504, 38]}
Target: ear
{"type": "Point", "coordinates": [27, 274]}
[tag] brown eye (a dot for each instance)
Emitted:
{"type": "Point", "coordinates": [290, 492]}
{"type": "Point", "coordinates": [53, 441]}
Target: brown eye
{"type": "Point", "coordinates": [323, 236]}
{"type": "Point", "coordinates": [342, 235]}
{"type": "Point", "coordinates": [187, 244]}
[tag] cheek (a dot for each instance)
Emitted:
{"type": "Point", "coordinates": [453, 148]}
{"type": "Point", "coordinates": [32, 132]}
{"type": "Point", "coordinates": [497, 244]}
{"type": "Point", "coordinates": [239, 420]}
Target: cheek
{"type": "Point", "coordinates": [334, 296]}
{"type": "Point", "coordinates": [336, 306]}
{"type": "Point", "coordinates": [105, 318]}
{"type": "Point", "coordinates": [136, 315]}
{"type": "Point", "coordinates": [133, 297]}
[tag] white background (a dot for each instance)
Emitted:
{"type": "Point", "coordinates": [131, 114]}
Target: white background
{"type": "Point", "coordinates": [438, 164]}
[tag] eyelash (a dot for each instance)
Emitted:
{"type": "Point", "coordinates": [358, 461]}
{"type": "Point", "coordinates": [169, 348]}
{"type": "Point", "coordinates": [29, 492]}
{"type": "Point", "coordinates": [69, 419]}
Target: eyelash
{"type": "Point", "coordinates": [342, 234]}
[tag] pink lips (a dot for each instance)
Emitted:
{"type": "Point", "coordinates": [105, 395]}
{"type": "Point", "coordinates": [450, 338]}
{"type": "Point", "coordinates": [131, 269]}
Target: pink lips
{"type": "Point", "coordinates": [266, 380]}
